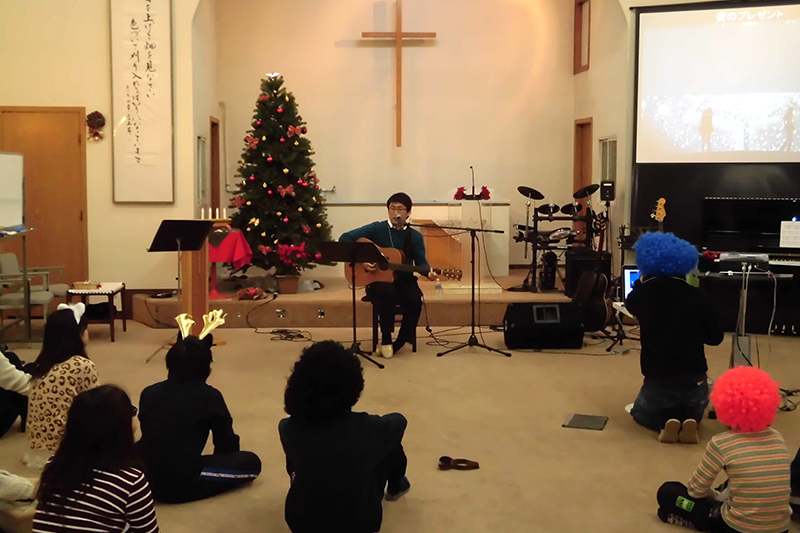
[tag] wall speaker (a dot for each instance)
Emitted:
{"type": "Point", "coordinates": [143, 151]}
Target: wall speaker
{"type": "Point", "coordinates": [578, 261]}
{"type": "Point", "coordinates": [529, 325]}
{"type": "Point", "coordinates": [607, 191]}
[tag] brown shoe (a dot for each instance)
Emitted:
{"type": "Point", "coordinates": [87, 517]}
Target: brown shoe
{"type": "Point", "coordinates": [669, 435]}
{"type": "Point", "coordinates": [448, 463]}
{"type": "Point", "coordinates": [688, 433]}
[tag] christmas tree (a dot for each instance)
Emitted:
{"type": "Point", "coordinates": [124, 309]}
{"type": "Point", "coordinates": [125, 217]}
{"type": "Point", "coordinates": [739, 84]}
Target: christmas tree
{"type": "Point", "coordinates": [280, 205]}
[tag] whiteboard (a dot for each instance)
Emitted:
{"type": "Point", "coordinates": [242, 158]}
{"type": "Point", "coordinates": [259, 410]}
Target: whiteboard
{"type": "Point", "coordinates": [12, 186]}
{"type": "Point", "coordinates": [141, 79]}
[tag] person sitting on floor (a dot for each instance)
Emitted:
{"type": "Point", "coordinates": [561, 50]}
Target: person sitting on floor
{"type": "Point", "coordinates": [14, 390]}
{"type": "Point", "coordinates": [61, 372]}
{"type": "Point", "coordinates": [16, 509]}
{"type": "Point", "coordinates": [752, 454]}
{"type": "Point", "coordinates": [95, 481]}
{"type": "Point", "coordinates": [176, 417]}
{"type": "Point", "coordinates": [676, 320]}
{"type": "Point", "coordinates": [339, 462]}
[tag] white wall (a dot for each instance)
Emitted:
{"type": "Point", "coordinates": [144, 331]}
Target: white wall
{"type": "Point", "coordinates": [204, 73]}
{"type": "Point", "coordinates": [495, 91]}
{"type": "Point", "coordinates": [56, 53]}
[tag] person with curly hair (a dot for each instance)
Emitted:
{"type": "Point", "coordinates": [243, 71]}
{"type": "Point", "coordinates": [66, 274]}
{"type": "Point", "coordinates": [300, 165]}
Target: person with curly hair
{"type": "Point", "coordinates": [676, 320]}
{"type": "Point", "coordinates": [751, 453]}
{"type": "Point", "coordinates": [339, 461]}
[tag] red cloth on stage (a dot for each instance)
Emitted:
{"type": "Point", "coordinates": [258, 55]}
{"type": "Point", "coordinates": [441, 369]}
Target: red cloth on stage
{"type": "Point", "coordinates": [233, 249]}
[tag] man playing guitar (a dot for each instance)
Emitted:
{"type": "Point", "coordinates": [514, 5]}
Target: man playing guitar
{"type": "Point", "coordinates": [404, 291]}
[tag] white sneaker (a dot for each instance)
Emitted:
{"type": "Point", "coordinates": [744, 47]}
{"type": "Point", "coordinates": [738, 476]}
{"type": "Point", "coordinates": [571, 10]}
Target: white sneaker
{"type": "Point", "coordinates": [628, 408]}
{"type": "Point", "coordinates": [387, 351]}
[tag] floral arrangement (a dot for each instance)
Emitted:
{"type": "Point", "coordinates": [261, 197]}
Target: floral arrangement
{"type": "Point", "coordinates": [461, 194]}
{"type": "Point", "coordinates": [95, 122]}
{"type": "Point", "coordinates": [288, 255]}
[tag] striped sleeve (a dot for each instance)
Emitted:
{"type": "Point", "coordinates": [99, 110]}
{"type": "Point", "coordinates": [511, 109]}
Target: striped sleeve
{"type": "Point", "coordinates": [140, 510]}
{"type": "Point", "coordinates": [710, 466]}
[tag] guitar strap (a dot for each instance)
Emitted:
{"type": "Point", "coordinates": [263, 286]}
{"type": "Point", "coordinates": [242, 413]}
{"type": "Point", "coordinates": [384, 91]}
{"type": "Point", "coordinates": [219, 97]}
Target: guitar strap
{"type": "Point", "coordinates": [408, 247]}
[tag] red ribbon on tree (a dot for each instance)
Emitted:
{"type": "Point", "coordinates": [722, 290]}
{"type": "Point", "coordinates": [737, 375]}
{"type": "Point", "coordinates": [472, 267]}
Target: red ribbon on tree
{"type": "Point", "coordinates": [288, 190]}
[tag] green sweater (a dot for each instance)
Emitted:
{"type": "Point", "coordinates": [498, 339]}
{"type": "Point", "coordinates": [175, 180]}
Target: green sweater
{"type": "Point", "coordinates": [386, 236]}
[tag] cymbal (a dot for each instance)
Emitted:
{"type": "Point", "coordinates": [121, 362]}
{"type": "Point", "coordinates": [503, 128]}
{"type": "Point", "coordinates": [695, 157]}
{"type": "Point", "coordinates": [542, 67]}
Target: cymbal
{"type": "Point", "coordinates": [528, 192]}
{"type": "Point", "coordinates": [560, 233]}
{"type": "Point", "coordinates": [572, 209]}
{"type": "Point", "coordinates": [547, 209]}
{"type": "Point", "coordinates": [587, 191]}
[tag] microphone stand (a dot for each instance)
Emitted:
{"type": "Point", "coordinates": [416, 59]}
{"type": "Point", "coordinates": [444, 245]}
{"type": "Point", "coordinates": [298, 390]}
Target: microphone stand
{"type": "Point", "coordinates": [473, 232]}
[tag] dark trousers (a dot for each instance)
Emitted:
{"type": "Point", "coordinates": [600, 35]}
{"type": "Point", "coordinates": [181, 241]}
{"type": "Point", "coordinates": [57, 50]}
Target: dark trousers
{"type": "Point", "coordinates": [391, 471]}
{"type": "Point", "coordinates": [703, 513]}
{"type": "Point", "coordinates": [662, 399]}
{"type": "Point", "coordinates": [12, 404]}
{"type": "Point", "coordinates": [221, 472]}
{"type": "Point", "coordinates": [404, 292]}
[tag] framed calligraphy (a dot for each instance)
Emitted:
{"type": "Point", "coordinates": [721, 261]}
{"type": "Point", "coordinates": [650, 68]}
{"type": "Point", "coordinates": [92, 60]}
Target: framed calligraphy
{"type": "Point", "coordinates": [141, 88]}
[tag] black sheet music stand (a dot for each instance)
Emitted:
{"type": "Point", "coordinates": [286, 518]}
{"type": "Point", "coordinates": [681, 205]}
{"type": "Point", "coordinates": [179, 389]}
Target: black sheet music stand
{"type": "Point", "coordinates": [179, 236]}
{"type": "Point", "coordinates": [352, 253]}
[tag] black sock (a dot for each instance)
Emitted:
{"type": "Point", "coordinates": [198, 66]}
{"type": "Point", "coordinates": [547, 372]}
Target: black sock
{"type": "Point", "coordinates": [399, 343]}
{"type": "Point", "coordinates": [386, 338]}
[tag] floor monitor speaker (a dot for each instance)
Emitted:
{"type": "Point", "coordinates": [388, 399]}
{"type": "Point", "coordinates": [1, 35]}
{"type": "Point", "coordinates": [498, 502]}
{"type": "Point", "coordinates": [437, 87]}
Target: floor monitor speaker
{"type": "Point", "coordinates": [535, 325]}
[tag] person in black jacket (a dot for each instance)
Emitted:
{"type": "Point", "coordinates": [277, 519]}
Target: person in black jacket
{"type": "Point", "coordinates": [176, 416]}
{"type": "Point", "coordinates": [339, 461]}
{"type": "Point", "coordinates": [676, 320]}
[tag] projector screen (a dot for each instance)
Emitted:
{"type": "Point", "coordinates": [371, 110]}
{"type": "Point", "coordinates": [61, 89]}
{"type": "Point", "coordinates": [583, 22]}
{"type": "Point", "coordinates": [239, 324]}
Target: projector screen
{"type": "Point", "coordinates": [719, 85]}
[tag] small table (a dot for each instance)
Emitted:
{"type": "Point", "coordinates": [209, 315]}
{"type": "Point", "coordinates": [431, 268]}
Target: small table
{"type": "Point", "coordinates": [109, 289]}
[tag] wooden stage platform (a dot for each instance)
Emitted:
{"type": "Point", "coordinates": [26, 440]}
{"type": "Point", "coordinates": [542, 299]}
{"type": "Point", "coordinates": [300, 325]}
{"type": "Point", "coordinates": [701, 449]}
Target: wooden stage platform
{"type": "Point", "coordinates": [332, 307]}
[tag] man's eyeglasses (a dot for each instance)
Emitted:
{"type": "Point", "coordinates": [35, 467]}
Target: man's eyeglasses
{"type": "Point", "coordinates": [398, 209]}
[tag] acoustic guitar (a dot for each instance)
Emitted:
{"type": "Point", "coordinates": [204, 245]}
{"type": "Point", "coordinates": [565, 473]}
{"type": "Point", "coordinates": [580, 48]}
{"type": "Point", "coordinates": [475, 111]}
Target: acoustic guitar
{"type": "Point", "coordinates": [385, 272]}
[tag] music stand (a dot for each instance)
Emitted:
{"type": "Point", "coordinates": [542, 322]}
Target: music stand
{"type": "Point", "coordinates": [352, 253]}
{"type": "Point", "coordinates": [179, 236]}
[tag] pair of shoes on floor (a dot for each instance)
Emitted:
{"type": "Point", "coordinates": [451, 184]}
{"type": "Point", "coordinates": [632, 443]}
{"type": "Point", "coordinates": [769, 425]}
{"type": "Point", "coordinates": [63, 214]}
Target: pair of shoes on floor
{"type": "Point", "coordinates": [405, 486]}
{"type": "Point", "coordinates": [385, 350]}
{"type": "Point", "coordinates": [674, 431]}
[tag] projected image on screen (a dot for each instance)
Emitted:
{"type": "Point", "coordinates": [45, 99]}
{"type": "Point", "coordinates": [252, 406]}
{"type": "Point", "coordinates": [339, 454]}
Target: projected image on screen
{"type": "Point", "coordinates": [719, 85]}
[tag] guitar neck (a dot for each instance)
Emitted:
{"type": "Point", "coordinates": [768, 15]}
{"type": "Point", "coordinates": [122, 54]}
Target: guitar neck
{"type": "Point", "coordinates": [409, 268]}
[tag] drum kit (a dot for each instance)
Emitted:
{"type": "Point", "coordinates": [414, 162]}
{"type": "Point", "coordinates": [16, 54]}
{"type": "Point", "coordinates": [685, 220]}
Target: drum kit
{"type": "Point", "coordinates": [560, 238]}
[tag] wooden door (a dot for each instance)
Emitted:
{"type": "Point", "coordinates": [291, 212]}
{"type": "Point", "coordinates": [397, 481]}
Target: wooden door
{"type": "Point", "coordinates": [215, 169]}
{"type": "Point", "coordinates": [52, 141]}
{"type": "Point", "coordinates": [582, 170]}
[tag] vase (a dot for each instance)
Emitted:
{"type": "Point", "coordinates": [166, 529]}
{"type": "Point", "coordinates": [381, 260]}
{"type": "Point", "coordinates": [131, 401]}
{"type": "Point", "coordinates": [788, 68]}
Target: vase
{"type": "Point", "coordinates": [287, 284]}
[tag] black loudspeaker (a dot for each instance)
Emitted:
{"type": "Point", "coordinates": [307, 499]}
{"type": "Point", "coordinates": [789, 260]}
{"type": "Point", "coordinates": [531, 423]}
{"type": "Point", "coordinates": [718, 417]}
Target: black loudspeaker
{"type": "Point", "coordinates": [578, 261]}
{"type": "Point", "coordinates": [529, 325]}
{"type": "Point", "coordinates": [607, 192]}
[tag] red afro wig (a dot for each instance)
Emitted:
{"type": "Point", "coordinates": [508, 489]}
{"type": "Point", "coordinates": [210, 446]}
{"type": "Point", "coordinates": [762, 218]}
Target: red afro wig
{"type": "Point", "coordinates": [746, 399]}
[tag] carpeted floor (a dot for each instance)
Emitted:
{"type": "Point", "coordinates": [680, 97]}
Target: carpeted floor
{"type": "Point", "coordinates": [506, 413]}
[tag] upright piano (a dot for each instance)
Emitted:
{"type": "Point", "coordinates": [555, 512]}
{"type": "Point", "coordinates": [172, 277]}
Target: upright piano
{"type": "Point", "coordinates": [752, 225]}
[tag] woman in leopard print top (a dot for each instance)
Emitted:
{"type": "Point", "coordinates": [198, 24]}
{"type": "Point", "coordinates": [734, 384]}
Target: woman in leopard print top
{"type": "Point", "coordinates": [61, 372]}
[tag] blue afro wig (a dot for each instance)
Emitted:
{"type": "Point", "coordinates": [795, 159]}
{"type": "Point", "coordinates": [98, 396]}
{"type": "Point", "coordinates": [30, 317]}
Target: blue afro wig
{"type": "Point", "coordinates": [664, 254]}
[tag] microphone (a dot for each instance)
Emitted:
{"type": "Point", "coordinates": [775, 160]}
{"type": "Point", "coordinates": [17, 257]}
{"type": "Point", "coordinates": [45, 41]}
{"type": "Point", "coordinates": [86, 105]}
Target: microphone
{"type": "Point", "coordinates": [473, 179]}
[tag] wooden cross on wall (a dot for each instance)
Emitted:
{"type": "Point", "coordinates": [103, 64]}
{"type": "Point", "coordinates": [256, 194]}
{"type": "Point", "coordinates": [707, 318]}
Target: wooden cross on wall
{"type": "Point", "coordinates": [398, 35]}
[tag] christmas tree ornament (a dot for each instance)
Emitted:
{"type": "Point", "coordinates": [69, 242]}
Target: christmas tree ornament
{"type": "Point", "coordinates": [279, 213]}
{"type": "Point", "coordinates": [252, 178]}
{"type": "Point", "coordinates": [252, 143]}
{"type": "Point", "coordinates": [300, 209]}
{"type": "Point", "coordinates": [248, 202]}
{"type": "Point", "coordinates": [263, 98]}
{"type": "Point", "coordinates": [296, 143]}
{"type": "Point", "coordinates": [285, 170]}
{"type": "Point", "coordinates": [269, 159]}
{"type": "Point", "coordinates": [294, 131]}
{"type": "Point", "coordinates": [263, 137]}
{"type": "Point", "coordinates": [286, 220]}
{"type": "Point", "coordinates": [280, 110]}
{"type": "Point", "coordinates": [284, 191]}
{"type": "Point", "coordinates": [275, 241]}
{"type": "Point", "coordinates": [264, 234]}
{"type": "Point", "coordinates": [248, 229]}
{"type": "Point", "coordinates": [264, 184]}
{"type": "Point", "coordinates": [314, 198]}
{"type": "Point", "coordinates": [269, 191]}
{"type": "Point", "coordinates": [304, 130]}
{"type": "Point", "coordinates": [306, 229]}
{"type": "Point", "coordinates": [319, 225]}
{"type": "Point", "coordinates": [258, 123]}
{"type": "Point", "coordinates": [283, 140]}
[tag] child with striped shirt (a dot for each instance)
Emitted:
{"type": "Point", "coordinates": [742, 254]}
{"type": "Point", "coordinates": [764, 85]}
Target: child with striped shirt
{"type": "Point", "coordinates": [752, 454]}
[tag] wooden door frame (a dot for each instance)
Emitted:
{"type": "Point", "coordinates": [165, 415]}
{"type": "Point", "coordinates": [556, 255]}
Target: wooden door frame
{"type": "Point", "coordinates": [81, 115]}
{"type": "Point", "coordinates": [214, 148]}
{"type": "Point", "coordinates": [583, 126]}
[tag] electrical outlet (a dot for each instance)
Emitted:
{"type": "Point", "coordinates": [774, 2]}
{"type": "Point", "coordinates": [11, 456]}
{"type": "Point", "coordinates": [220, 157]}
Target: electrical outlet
{"type": "Point", "coordinates": [281, 313]}
{"type": "Point", "coordinates": [320, 313]}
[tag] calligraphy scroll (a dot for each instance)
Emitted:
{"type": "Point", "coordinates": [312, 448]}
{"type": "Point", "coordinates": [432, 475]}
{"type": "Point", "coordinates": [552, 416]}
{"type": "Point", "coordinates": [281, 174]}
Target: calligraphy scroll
{"type": "Point", "coordinates": [141, 77]}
